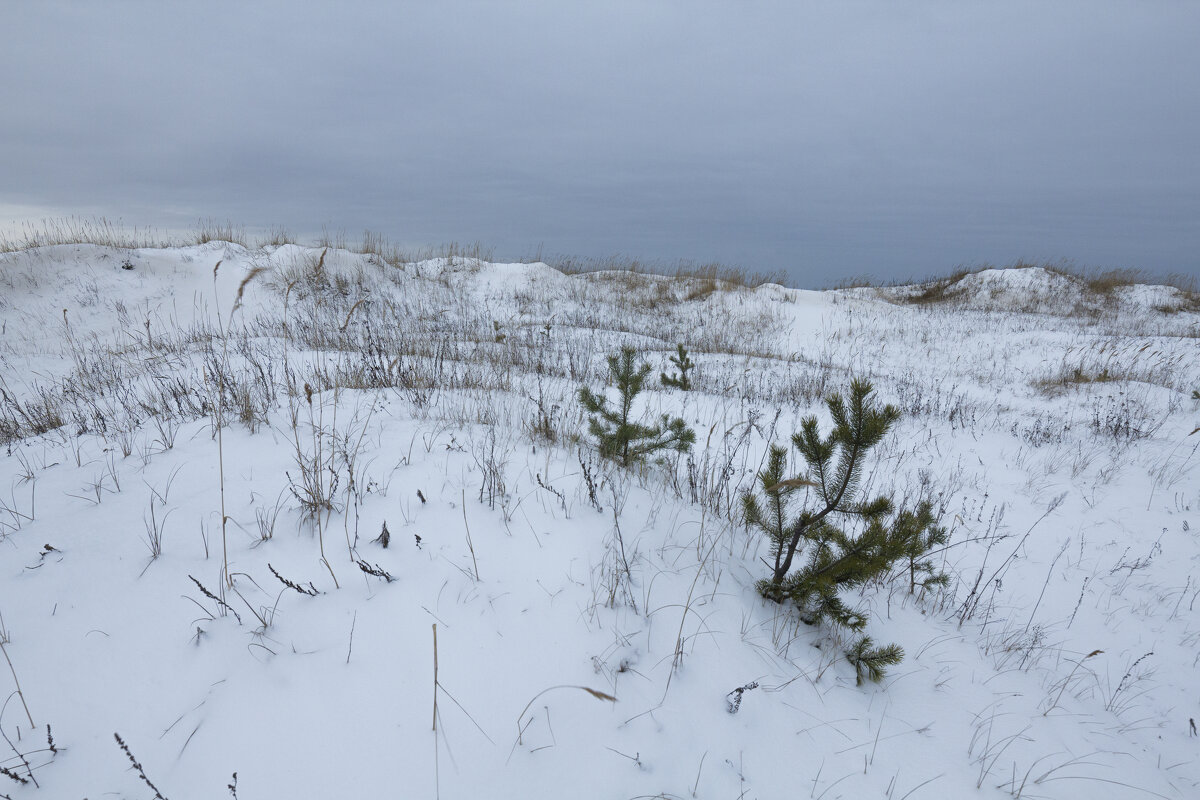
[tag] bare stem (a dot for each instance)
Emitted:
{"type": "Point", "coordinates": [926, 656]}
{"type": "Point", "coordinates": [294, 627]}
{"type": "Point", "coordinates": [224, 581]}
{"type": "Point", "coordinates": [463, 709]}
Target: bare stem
{"type": "Point", "coordinates": [20, 694]}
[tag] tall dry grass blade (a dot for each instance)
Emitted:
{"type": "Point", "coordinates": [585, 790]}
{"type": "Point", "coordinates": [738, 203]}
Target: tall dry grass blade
{"type": "Point", "coordinates": [350, 313]}
{"type": "Point", "coordinates": [251, 275]}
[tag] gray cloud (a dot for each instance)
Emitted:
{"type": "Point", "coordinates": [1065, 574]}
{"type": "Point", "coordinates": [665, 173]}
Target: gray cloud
{"type": "Point", "coordinates": [827, 139]}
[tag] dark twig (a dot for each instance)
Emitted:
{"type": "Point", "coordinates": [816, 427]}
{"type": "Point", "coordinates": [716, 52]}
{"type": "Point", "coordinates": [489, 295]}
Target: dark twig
{"type": "Point", "coordinates": [311, 591]}
{"type": "Point", "coordinates": [376, 570]}
{"type": "Point", "coordinates": [20, 756]}
{"type": "Point", "coordinates": [8, 773]}
{"type": "Point", "coordinates": [217, 600]}
{"type": "Point", "coordinates": [137, 766]}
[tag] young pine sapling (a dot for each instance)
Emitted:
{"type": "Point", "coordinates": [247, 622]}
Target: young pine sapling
{"type": "Point", "coordinates": [834, 559]}
{"type": "Point", "coordinates": [682, 380]}
{"type": "Point", "coordinates": [618, 436]}
{"type": "Point", "coordinates": [920, 534]}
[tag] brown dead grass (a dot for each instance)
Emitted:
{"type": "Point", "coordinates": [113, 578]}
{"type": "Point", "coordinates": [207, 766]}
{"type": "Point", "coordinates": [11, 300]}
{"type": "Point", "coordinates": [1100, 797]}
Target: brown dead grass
{"type": "Point", "coordinates": [712, 275]}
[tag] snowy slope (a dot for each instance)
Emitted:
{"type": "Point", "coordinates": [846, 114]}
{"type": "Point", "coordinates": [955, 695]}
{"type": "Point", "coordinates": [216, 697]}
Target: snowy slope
{"type": "Point", "coordinates": [441, 401]}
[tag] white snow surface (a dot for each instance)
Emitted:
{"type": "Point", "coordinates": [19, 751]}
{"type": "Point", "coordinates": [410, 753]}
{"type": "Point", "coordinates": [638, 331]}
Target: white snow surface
{"type": "Point", "coordinates": [1053, 436]}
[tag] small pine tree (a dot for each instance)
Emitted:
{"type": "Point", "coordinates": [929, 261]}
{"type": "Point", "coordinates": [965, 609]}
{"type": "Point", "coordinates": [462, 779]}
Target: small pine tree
{"type": "Point", "coordinates": [835, 560]}
{"type": "Point", "coordinates": [682, 381]}
{"type": "Point", "coordinates": [617, 435]}
{"type": "Point", "coordinates": [857, 428]}
{"type": "Point", "coordinates": [919, 535]}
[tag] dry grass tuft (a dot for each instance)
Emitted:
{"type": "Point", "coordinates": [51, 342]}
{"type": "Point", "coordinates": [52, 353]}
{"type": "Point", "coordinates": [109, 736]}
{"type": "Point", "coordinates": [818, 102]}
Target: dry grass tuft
{"type": "Point", "coordinates": [74, 230]}
{"type": "Point", "coordinates": [709, 276]}
{"type": "Point", "coordinates": [1107, 282]}
{"type": "Point", "coordinates": [209, 230]}
{"type": "Point", "coordinates": [278, 237]}
{"type": "Point", "coordinates": [1067, 377]}
{"type": "Point", "coordinates": [941, 290]}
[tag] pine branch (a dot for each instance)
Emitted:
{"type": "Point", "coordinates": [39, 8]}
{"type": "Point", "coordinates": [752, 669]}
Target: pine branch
{"type": "Point", "coordinates": [871, 662]}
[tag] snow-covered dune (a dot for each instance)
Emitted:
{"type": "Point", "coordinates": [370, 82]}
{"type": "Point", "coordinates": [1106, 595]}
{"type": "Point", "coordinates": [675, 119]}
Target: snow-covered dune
{"type": "Point", "coordinates": [230, 604]}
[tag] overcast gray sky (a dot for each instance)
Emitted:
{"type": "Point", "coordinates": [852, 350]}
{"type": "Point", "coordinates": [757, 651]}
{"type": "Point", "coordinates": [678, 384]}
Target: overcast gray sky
{"type": "Point", "coordinates": [827, 140]}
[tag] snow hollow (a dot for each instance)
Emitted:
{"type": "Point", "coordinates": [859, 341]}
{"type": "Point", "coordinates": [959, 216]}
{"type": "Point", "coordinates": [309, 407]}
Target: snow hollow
{"type": "Point", "coordinates": [315, 524]}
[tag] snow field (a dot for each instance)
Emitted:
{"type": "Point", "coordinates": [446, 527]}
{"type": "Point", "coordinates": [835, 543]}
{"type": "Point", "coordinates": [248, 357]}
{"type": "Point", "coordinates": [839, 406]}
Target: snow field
{"type": "Point", "coordinates": [1049, 426]}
